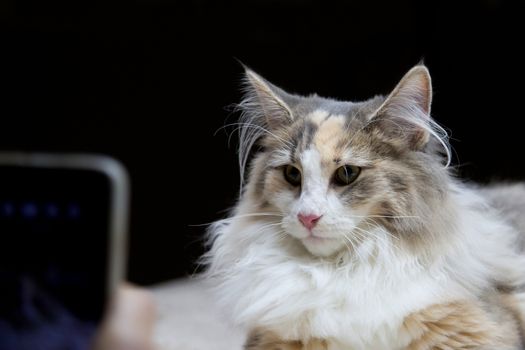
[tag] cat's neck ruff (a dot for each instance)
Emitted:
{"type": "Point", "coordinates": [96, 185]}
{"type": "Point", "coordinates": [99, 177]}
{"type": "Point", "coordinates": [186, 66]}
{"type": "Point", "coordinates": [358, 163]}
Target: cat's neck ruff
{"type": "Point", "coordinates": [358, 297]}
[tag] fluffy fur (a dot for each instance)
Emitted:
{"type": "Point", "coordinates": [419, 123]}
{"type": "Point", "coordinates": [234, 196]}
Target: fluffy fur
{"type": "Point", "coordinates": [404, 257]}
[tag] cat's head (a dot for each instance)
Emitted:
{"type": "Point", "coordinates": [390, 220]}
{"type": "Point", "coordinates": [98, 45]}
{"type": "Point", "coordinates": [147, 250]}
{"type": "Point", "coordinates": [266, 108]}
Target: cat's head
{"type": "Point", "coordinates": [335, 172]}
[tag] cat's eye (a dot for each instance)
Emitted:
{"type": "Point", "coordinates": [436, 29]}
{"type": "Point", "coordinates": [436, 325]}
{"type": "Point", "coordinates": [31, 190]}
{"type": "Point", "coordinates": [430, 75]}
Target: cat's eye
{"type": "Point", "coordinates": [346, 174]}
{"type": "Point", "coordinates": [292, 175]}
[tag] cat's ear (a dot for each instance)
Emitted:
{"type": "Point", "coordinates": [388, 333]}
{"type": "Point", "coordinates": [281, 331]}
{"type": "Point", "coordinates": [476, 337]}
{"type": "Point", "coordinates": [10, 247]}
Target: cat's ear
{"type": "Point", "coordinates": [406, 111]}
{"type": "Point", "coordinates": [270, 103]}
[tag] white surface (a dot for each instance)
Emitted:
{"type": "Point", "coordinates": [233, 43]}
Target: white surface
{"type": "Point", "coordinates": [188, 319]}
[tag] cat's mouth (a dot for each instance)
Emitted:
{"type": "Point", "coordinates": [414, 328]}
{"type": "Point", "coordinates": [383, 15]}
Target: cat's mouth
{"type": "Point", "coordinates": [321, 246]}
{"type": "Point", "coordinates": [313, 239]}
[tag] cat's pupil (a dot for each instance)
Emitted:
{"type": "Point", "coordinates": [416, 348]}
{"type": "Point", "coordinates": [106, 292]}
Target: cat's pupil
{"type": "Point", "coordinates": [292, 175]}
{"type": "Point", "coordinates": [346, 174]}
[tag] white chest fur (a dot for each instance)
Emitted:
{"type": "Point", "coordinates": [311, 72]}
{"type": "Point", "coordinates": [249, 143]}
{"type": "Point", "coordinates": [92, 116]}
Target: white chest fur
{"type": "Point", "coordinates": [357, 306]}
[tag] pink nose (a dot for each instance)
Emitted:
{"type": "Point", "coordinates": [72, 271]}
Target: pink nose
{"type": "Point", "coordinates": [308, 220]}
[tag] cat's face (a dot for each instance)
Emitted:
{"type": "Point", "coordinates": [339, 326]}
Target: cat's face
{"type": "Point", "coordinates": [339, 174]}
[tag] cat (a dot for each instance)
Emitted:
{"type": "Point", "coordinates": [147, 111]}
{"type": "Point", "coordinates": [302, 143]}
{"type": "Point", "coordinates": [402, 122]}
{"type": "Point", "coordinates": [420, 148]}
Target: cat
{"type": "Point", "coordinates": [351, 231]}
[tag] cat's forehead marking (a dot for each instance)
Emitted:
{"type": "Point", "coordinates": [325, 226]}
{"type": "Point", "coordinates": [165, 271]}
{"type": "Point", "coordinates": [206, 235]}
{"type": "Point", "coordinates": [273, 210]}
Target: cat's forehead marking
{"type": "Point", "coordinates": [302, 137]}
{"type": "Point", "coordinates": [329, 133]}
{"type": "Point", "coordinates": [318, 116]}
{"type": "Point", "coordinates": [310, 128]}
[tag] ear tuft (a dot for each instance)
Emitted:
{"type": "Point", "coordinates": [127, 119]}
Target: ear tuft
{"type": "Point", "coordinates": [264, 109]}
{"type": "Point", "coordinates": [408, 108]}
{"type": "Point", "coordinates": [266, 99]}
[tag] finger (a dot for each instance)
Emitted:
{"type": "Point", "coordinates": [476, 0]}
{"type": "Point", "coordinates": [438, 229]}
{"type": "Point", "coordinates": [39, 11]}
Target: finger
{"type": "Point", "coordinates": [129, 323]}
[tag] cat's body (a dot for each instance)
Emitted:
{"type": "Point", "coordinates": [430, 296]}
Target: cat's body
{"type": "Point", "coordinates": [351, 234]}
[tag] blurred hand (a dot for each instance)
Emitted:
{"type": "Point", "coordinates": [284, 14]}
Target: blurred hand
{"type": "Point", "coordinates": [129, 322]}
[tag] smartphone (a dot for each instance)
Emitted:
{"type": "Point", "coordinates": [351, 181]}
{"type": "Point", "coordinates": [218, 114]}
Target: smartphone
{"type": "Point", "coordinates": [63, 223]}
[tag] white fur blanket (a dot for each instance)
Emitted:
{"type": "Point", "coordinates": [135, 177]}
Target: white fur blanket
{"type": "Point", "coordinates": [189, 320]}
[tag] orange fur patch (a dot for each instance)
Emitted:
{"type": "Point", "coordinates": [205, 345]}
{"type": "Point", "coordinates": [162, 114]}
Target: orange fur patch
{"type": "Point", "coordinates": [260, 340]}
{"type": "Point", "coordinates": [458, 325]}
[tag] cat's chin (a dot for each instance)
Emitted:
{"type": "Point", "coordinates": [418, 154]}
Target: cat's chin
{"type": "Point", "coordinates": [320, 246]}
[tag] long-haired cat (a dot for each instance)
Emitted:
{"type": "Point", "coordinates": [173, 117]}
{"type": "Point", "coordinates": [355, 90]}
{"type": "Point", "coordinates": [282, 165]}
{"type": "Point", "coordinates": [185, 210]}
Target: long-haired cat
{"type": "Point", "coordinates": [351, 233]}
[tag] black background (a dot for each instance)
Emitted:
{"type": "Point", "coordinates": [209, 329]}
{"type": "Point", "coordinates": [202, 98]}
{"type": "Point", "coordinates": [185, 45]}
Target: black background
{"type": "Point", "coordinates": [148, 82]}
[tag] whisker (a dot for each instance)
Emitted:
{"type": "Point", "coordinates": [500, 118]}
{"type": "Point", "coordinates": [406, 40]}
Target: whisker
{"type": "Point", "coordinates": [256, 214]}
{"type": "Point", "coordinates": [354, 247]}
{"type": "Point", "coordinates": [281, 235]}
{"type": "Point", "coordinates": [240, 125]}
{"type": "Point", "coordinates": [374, 224]}
{"type": "Point", "coordinates": [249, 133]}
{"type": "Point", "coordinates": [238, 217]}
{"type": "Point", "coordinates": [387, 216]}
{"type": "Point", "coordinates": [350, 249]}
{"type": "Point", "coordinates": [205, 224]}
{"type": "Point", "coordinates": [381, 240]}
{"type": "Point", "coordinates": [264, 227]}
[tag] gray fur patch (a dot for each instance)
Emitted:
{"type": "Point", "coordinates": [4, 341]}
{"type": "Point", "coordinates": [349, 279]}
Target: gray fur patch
{"type": "Point", "coordinates": [359, 191]}
{"type": "Point", "coordinates": [301, 137]}
{"type": "Point", "coordinates": [397, 182]}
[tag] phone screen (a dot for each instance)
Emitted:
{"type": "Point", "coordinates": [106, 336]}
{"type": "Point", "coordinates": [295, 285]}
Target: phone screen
{"type": "Point", "coordinates": [54, 241]}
